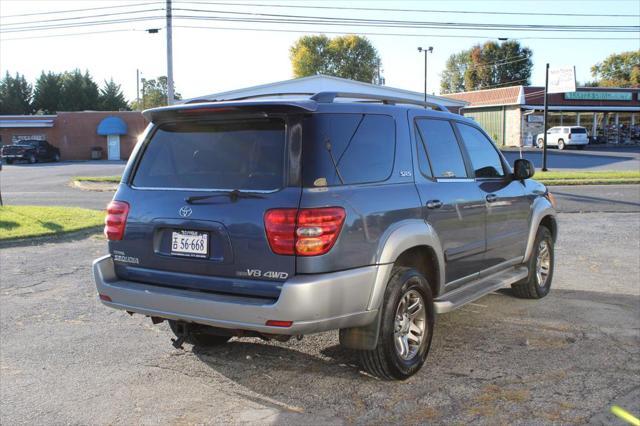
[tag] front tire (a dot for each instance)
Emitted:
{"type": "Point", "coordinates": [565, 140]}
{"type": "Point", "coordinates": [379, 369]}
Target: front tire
{"type": "Point", "coordinates": [406, 327]}
{"type": "Point", "coordinates": [541, 265]}
{"type": "Point", "coordinates": [56, 158]}
{"type": "Point", "coordinates": [9, 161]}
{"type": "Point", "coordinates": [197, 335]}
{"type": "Point", "coordinates": [32, 159]}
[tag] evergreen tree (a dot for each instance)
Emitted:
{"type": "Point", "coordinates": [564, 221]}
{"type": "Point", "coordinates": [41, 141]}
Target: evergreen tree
{"type": "Point", "coordinates": [79, 92]}
{"type": "Point", "coordinates": [112, 98]}
{"type": "Point", "coordinates": [47, 94]}
{"type": "Point", "coordinates": [15, 95]}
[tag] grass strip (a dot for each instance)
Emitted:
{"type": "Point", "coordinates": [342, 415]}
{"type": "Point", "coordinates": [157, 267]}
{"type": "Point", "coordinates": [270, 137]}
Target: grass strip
{"type": "Point", "coordinates": [17, 222]}
{"type": "Point", "coordinates": [105, 179]}
{"type": "Point", "coordinates": [588, 177]}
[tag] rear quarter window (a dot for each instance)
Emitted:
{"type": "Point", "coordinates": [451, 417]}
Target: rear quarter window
{"type": "Point", "coordinates": [245, 155]}
{"type": "Point", "coordinates": [579, 131]}
{"type": "Point", "coordinates": [362, 146]}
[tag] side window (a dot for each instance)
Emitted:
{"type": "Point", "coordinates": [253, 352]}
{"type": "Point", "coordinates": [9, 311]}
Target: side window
{"type": "Point", "coordinates": [423, 160]}
{"type": "Point", "coordinates": [363, 147]}
{"type": "Point", "coordinates": [442, 148]}
{"type": "Point", "coordinates": [484, 157]}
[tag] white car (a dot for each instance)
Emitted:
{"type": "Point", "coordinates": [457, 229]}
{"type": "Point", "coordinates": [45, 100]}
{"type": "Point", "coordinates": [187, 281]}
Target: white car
{"type": "Point", "coordinates": [563, 136]}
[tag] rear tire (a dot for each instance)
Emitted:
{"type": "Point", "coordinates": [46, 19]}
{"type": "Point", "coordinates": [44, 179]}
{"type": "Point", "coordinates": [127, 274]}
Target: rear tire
{"type": "Point", "coordinates": [56, 158]}
{"type": "Point", "coordinates": [406, 327]}
{"type": "Point", "coordinates": [9, 161]}
{"type": "Point", "coordinates": [540, 143]}
{"type": "Point", "coordinates": [541, 264]}
{"type": "Point", "coordinates": [561, 144]}
{"type": "Point", "coordinates": [198, 335]}
{"type": "Point", "coordinates": [32, 159]}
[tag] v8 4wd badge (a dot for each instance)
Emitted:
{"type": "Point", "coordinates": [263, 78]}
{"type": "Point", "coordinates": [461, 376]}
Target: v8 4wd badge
{"type": "Point", "coordinates": [258, 273]}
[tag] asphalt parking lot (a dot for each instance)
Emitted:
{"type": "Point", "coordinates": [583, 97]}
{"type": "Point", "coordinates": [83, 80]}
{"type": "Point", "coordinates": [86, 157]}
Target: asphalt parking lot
{"type": "Point", "coordinates": [66, 359]}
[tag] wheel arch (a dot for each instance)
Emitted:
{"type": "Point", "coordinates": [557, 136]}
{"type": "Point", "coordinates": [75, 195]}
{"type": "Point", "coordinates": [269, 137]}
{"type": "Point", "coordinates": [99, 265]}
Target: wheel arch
{"type": "Point", "coordinates": [408, 242]}
{"type": "Point", "coordinates": [542, 214]}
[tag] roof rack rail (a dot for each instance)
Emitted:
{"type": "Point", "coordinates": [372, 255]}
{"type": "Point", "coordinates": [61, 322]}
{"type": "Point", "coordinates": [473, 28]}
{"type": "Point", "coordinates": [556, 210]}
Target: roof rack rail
{"type": "Point", "coordinates": [329, 97]}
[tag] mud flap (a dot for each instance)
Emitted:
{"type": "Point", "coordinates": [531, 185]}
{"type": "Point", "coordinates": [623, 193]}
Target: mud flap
{"type": "Point", "coordinates": [362, 338]}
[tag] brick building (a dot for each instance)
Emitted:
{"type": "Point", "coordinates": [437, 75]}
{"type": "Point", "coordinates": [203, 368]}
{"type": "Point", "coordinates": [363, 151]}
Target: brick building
{"type": "Point", "coordinates": [77, 133]}
{"type": "Point", "coordinates": [513, 115]}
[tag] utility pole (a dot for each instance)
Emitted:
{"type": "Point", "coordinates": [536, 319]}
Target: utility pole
{"type": "Point", "coordinates": [138, 87]}
{"type": "Point", "coordinates": [546, 110]}
{"type": "Point", "coordinates": [170, 94]}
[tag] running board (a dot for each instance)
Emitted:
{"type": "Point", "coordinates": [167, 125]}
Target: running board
{"type": "Point", "coordinates": [475, 290]}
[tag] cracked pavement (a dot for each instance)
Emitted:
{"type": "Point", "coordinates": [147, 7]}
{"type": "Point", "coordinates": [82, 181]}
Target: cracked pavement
{"type": "Point", "coordinates": [66, 359]}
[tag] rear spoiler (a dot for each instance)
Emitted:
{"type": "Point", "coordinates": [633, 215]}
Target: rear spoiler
{"type": "Point", "coordinates": [156, 115]}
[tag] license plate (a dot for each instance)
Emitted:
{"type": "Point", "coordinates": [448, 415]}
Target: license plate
{"type": "Point", "coordinates": [190, 243]}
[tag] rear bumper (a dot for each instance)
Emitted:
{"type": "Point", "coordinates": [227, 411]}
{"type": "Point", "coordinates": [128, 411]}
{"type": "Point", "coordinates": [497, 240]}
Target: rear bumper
{"type": "Point", "coordinates": [314, 303]}
{"type": "Point", "coordinates": [577, 142]}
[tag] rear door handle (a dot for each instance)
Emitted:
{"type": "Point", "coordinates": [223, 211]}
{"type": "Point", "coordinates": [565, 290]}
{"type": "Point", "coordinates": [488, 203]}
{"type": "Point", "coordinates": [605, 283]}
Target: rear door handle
{"type": "Point", "coordinates": [491, 198]}
{"type": "Point", "coordinates": [434, 204]}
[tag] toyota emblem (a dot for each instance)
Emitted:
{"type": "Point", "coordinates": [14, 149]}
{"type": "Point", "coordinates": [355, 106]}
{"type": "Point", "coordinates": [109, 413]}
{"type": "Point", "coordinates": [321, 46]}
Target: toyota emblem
{"type": "Point", "coordinates": [185, 211]}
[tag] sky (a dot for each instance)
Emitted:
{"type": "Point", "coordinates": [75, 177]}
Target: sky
{"type": "Point", "coordinates": [213, 60]}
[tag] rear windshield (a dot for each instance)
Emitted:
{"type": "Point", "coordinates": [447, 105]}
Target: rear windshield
{"type": "Point", "coordinates": [579, 130]}
{"type": "Point", "coordinates": [361, 149]}
{"type": "Point", "coordinates": [246, 155]}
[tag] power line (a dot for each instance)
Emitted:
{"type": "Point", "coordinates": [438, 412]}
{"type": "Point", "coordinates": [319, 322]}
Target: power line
{"type": "Point", "coordinates": [408, 10]}
{"type": "Point", "coordinates": [294, 19]}
{"type": "Point", "coordinates": [80, 10]}
{"type": "Point", "coordinates": [80, 24]}
{"type": "Point", "coordinates": [367, 33]}
{"type": "Point", "coordinates": [83, 17]}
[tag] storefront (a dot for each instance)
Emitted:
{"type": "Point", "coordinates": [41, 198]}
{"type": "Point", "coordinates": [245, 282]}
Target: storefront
{"type": "Point", "coordinates": [513, 116]}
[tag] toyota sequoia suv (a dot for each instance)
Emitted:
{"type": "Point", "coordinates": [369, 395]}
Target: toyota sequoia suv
{"type": "Point", "coordinates": [279, 217]}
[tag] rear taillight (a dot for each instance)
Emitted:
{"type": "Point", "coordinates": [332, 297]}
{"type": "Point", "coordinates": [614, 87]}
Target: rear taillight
{"type": "Point", "coordinates": [116, 220]}
{"type": "Point", "coordinates": [305, 232]}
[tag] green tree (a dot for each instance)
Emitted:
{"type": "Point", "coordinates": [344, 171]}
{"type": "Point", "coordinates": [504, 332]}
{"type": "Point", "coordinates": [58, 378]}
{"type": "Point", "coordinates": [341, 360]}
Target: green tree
{"type": "Point", "coordinates": [618, 70]}
{"type": "Point", "coordinates": [79, 92]}
{"type": "Point", "coordinates": [489, 65]}
{"type": "Point", "coordinates": [15, 95]}
{"type": "Point", "coordinates": [47, 94]}
{"type": "Point", "coordinates": [350, 56]}
{"type": "Point", "coordinates": [112, 98]}
{"type": "Point", "coordinates": [452, 78]}
{"type": "Point", "coordinates": [154, 94]}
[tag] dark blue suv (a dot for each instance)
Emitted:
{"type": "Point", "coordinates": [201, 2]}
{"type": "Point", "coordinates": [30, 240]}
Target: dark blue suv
{"type": "Point", "coordinates": [287, 216]}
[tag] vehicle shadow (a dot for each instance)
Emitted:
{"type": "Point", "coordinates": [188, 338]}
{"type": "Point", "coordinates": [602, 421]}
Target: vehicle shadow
{"type": "Point", "coordinates": [472, 372]}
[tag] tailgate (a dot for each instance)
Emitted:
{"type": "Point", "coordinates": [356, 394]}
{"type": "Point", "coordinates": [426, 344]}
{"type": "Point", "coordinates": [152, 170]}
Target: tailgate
{"type": "Point", "coordinates": [197, 195]}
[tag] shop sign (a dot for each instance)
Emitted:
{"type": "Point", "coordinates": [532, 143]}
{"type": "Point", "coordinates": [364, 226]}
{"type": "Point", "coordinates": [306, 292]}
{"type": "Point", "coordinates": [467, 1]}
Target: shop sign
{"type": "Point", "coordinates": [535, 118]}
{"type": "Point", "coordinates": [561, 80]}
{"type": "Point", "coordinates": [599, 96]}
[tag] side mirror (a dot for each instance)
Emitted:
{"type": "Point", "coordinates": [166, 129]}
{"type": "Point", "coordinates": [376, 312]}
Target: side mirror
{"type": "Point", "coordinates": [523, 169]}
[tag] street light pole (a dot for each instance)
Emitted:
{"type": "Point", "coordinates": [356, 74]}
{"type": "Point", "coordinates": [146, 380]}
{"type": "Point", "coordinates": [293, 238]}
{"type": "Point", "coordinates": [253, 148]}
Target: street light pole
{"type": "Point", "coordinates": [427, 50]}
{"type": "Point", "coordinates": [170, 93]}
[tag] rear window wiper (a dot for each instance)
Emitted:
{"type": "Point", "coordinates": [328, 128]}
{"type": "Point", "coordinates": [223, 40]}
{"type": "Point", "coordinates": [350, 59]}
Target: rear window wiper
{"type": "Point", "coordinates": [233, 195]}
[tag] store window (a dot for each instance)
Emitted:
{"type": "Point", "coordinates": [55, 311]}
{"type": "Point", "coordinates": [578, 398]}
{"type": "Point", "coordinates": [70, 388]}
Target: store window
{"type": "Point", "coordinates": [554, 119]}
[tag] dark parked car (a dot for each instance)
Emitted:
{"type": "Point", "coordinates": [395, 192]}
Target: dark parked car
{"type": "Point", "coordinates": [278, 218]}
{"type": "Point", "coordinates": [33, 151]}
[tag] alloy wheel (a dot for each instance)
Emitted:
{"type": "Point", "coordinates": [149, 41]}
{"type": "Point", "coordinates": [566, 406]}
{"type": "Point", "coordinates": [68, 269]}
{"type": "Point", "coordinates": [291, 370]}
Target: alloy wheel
{"type": "Point", "coordinates": [543, 263]}
{"type": "Point", "coordinates": [410, 325]}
